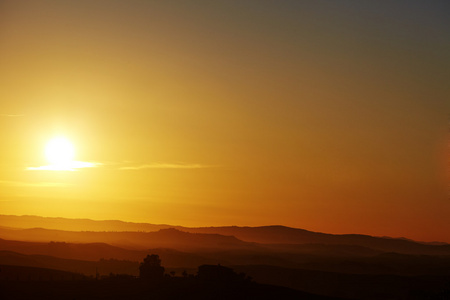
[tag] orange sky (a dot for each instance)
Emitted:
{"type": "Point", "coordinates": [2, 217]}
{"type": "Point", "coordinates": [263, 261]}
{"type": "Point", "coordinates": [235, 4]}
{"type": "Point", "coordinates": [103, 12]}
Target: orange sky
{"type": "Point", "coordinates": [327, 116]}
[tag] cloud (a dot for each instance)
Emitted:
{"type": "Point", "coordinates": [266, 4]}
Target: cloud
{"type": "Point", "coordinates": [165, 166]}
{"type": "Point", "coordinates": [33, 184]}
{"type": "Point", "coordinates": [71, 166]}
{"type": "Point", "coordinates": [11, 115]}
{"type": "Point", "coordinates": [128, 165]}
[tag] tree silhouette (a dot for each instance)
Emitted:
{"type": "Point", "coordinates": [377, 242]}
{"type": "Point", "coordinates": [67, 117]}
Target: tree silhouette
{"type": "Point", "coordinates": [151, 268]}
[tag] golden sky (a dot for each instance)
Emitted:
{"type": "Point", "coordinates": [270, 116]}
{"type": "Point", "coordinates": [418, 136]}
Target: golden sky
{"type": "Point", "coordinates": [324, 115]}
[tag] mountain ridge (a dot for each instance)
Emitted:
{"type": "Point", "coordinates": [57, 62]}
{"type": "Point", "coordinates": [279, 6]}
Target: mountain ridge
{"type": "Point", "coordinates": [281, 238]}
{"type": "Point", "coordinates": [33, 221]}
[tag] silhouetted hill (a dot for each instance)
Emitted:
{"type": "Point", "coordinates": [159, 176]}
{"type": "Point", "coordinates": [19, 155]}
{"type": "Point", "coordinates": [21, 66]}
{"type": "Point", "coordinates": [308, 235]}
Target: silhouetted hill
{"type": "Point", "coordinates": [40, 283]}
{"type": "Point", "coordinates": [89, 268]}
{"type": "Point", "coordinates": [330, 250]}
{"type": "Point", "coordinates": [353, 286]}
{"type": "Point", "coordinates": [93, 252]}
{"type": "Point", "coordinates": [164, 238]}
{"type": "Point", "coordinates": [39, 254]}
{"type": "Point", "coordinates": [75, 224]}
{"type": "Point", "coordinates": [261, 235]}
{"type": "Point", "coordinates": [326, 244]}
{"type": "Point", "coordinates": [138, 289]}
{"type": "Point", "coordinates": [90, 251]}
{"type": "Point", "coordinates": [22, 273]}
{"type": "Point", "coordinates": [384, 276]}
{"type": "Point", "coordinates": [287, 235]}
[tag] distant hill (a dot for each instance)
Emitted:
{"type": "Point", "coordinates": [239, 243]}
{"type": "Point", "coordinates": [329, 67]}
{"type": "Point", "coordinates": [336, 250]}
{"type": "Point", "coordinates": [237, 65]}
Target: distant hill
{"type": "Point", "coordinates": [75, 224]}
{"type": "Point", "coordinates": [164, 238]}
{"type": "Point", "coordinates": [89, 268]}
{"type": "Point", "coordinates": [36, 254]}
{"type": "Point", "coordinates": [294, 236]}
{"type": "Point", "coordinates": [274, 238]}
{"type": "Point", "coordinates": [107, 258]}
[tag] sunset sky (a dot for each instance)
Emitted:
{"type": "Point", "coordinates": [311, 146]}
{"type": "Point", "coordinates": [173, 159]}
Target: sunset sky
{"type": "Point", "coordinates": [330, 116]}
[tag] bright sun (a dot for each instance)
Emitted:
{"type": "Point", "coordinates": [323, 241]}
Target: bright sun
{"type": "Point", "coordinates": [59, 152]}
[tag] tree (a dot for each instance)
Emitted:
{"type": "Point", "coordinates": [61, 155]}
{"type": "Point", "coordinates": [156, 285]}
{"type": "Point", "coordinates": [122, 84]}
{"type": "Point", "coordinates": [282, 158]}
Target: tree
{"type": "Point", "coordinates": [151, 268]}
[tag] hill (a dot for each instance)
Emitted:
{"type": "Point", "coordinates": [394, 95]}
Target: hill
{"type": "Point", "coordinates": [278, 238]}
{"type": "Point", "coordinates": [352, 286]}
{"type": "Point", "coordinates": [75, 224]}
{"type": "Point", "coordinates": [164, 238]}
{"type": "Point", "coordinates": [287, 235]}
{"type": "Point", "coordinates": [38, 253]}
{"type": "Point", "coordinates": [24, 273]}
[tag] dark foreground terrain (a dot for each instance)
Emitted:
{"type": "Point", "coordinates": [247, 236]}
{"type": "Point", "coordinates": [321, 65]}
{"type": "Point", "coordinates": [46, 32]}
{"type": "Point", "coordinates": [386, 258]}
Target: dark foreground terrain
{"type": "Point", "coordinates": [169, 288]}
{"type": "Point", "coordinates": [17, 282]}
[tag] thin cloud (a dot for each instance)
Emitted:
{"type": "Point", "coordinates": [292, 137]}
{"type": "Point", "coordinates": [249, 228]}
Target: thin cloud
{"type": "Point", "coordinates": [165, 166]}
{"type": "Point", "coordinates": [33, 184]}
{"type": "Point", "coordinates": [11, 115]}
{"type": "Point", "coordinates": [72, 166]}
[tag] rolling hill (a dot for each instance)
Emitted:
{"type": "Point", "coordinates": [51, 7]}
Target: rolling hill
{"type": "Point", "coordinates": [144, 236]}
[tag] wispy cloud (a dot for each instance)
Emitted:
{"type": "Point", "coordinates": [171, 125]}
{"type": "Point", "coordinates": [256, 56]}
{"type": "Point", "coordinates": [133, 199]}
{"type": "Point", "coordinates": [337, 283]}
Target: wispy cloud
{"type": "Point", "coordinates": [165, 166]}
{"type": "Point", "coordinates": [128, 165]}
{"type": "Point", "coordinates": [71, 166]}
{"type": "Point", "coordinates": [33, 184]}
{"type": "Point", "coordinates": [11, 115]}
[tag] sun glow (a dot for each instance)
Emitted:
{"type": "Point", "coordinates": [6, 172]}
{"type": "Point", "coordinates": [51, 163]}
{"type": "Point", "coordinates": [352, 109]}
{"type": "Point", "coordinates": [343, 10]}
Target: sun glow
{"type": "Point", "coordinates": [59, 151]}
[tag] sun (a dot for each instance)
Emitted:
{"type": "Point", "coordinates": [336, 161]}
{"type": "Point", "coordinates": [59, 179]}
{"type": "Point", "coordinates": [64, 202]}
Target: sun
{"type": "Point", "coordinates": [60, 152]}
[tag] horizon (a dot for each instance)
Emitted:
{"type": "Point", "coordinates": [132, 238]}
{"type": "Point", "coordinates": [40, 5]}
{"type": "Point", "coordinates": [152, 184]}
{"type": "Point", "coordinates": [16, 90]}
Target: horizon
{"type": "Point", "coordinates": [172, 226]}
{"type": "Point", "coordinates": [327, 116]}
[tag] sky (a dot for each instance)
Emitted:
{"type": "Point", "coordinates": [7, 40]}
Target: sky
{"type": "Point", "coordinates": [330, 116]}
